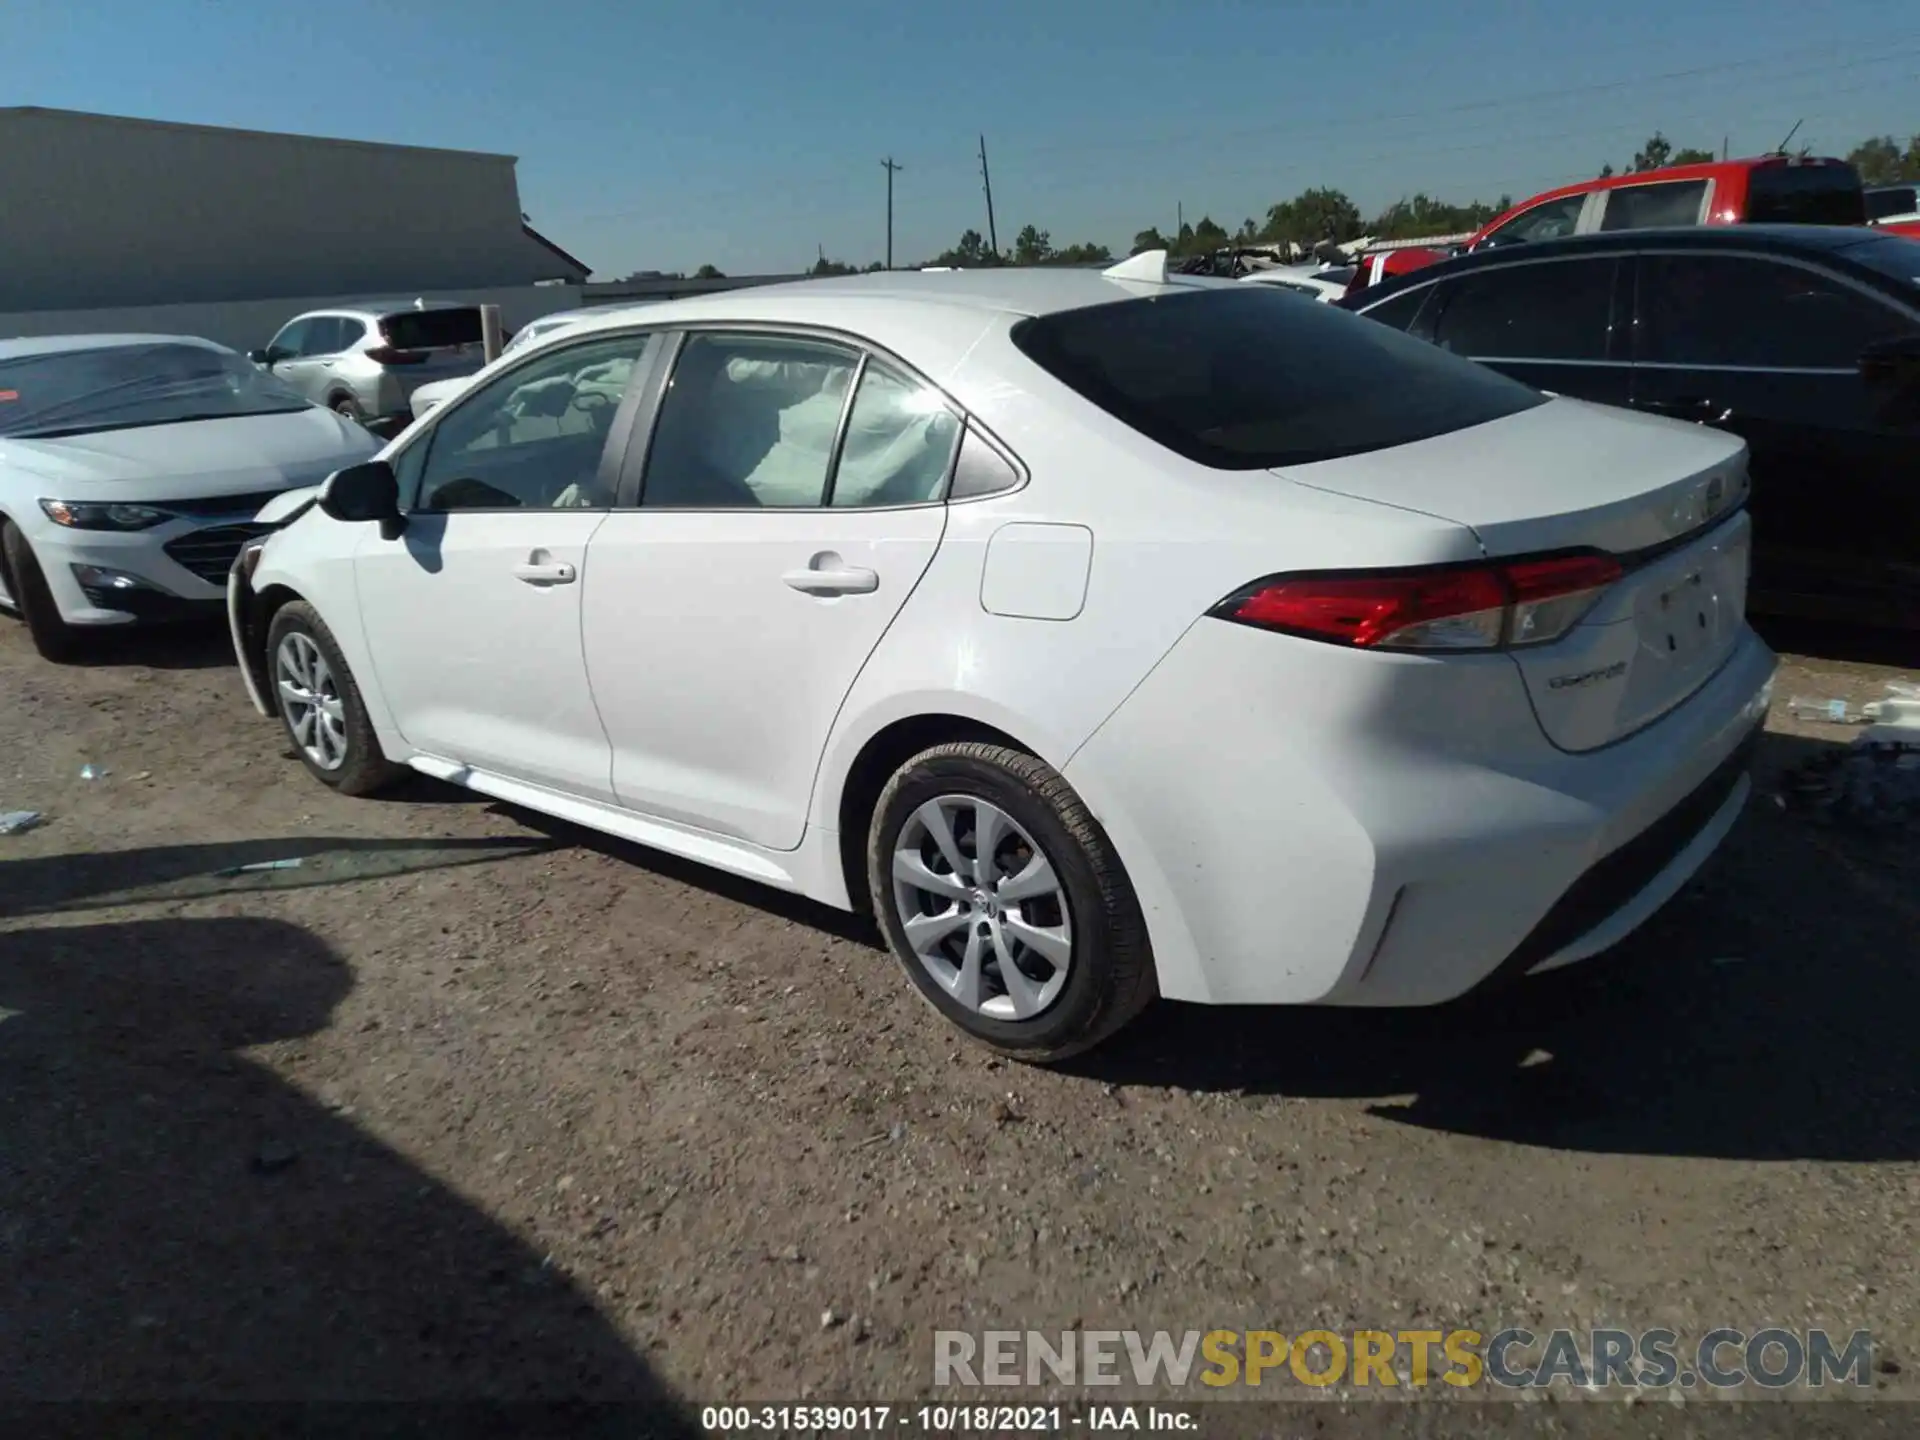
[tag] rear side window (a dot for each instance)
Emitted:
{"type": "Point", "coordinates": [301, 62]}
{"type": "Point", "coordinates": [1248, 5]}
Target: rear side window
{"type": "Point", "coordinates": [1735, 310]}
{"type": "Point", "coordinates": [1805, 195]}
{"type": "Point", "coordinates": [1646, 207]}
{"type": "Point", "coordinates": [432, 329]}
{"type": "Point", "coordinates": [1247, 378]}
{"type": "Point", "coordinates": [1557, 310]}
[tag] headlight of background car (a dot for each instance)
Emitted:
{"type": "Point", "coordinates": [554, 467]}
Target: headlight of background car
{"type": "Point", "coordinates": [94, 515]}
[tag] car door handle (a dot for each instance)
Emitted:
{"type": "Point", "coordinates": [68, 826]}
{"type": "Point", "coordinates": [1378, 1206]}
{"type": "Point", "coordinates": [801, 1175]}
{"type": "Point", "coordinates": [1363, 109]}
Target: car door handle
{"type": "Point", "coordinates": [847, 581]}
{"type": "Point", "coordinates": [535, 572]}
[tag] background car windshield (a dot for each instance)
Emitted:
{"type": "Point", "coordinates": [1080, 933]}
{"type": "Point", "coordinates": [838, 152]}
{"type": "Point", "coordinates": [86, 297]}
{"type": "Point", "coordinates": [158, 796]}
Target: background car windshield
{"type": "Point", "coordinates": [119, 387]}
{"type": "Point", "coordinates": [1254, 377]}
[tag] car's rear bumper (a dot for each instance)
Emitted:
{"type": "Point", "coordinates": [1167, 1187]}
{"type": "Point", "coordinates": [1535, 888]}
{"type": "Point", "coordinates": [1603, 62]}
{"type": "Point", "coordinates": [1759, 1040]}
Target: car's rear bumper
{"type": "Point", "coordinates": [1295, 838]}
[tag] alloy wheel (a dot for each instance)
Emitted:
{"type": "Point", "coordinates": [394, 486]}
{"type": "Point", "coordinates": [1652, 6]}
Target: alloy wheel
{"type": "Point", "coordinates": [982, 907]}
{"type": "Point", "coordinates": [310, 698]}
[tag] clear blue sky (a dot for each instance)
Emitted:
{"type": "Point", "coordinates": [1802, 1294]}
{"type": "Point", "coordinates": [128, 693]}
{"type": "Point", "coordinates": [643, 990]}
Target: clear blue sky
{"type": "Point", "coordinates": [664, 134]}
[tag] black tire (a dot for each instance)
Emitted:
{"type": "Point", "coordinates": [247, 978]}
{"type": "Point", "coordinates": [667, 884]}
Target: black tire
{"type": "Point", "coordinates": [1110, 976]}
{"type": "Point", "coordinates": [365, 769]}
{"type": "Point", "coordinates": [348, 406]}
{"type": "Point", "coordinates": [52, 636]}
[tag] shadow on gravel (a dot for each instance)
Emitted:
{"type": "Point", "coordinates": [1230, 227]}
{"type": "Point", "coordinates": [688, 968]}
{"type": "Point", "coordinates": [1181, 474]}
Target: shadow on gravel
{"type": "Point", "coordinates": [1766, 1014]}
{"type": "Point", "coordinates": [187, 645]}
{"type": "Point", "coordinates": [180, 1223]}
{"type": "Point", "coordinates": [49, 884]}
{"type": "Point", "coordinates": [801, 911]}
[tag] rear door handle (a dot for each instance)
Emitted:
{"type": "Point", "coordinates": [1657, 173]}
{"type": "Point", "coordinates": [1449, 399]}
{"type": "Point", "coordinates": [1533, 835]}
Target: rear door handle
{"type": "Point", "coordinates": [848, 581]}
{"type": "Point", "coordinates": [545, 572]}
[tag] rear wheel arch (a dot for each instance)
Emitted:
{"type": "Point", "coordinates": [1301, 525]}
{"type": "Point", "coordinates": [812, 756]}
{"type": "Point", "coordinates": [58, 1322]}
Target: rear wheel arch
{"type": "Point", "coordinates": [885, 751]}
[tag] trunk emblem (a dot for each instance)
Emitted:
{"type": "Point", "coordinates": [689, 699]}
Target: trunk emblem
{"type": "Point", "coordinates": [1588, 677]}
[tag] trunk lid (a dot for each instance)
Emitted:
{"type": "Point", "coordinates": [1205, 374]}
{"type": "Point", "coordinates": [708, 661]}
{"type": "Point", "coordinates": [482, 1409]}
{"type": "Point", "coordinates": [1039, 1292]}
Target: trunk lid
{"type": "Point", "coordinates": [1663, 496]}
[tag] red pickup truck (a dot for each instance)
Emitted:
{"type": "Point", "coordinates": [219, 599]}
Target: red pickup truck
{"type": "Point", "coordinates": [1765, 189]}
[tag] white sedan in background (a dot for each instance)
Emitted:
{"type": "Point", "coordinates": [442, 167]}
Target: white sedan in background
{"type": "Point", "coordinates": [131, 467]}
{"type": "Point", "coordinates": [1106, 634]}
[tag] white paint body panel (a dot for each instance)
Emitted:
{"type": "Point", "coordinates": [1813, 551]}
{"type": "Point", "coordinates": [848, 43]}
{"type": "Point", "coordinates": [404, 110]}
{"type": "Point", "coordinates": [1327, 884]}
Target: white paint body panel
{"type": "Point", "coordinates": [1037, 572]}
{"type": "Point", "coordinates": [1274, 800]}
{"type": "Point", "coordinates": [478, 666]}
{"type": "Point", "coordinates": [719, 683]}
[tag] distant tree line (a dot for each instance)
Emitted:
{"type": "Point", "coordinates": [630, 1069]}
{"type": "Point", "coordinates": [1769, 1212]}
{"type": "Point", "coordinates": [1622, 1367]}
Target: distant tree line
{"type": "Point", "coordinates": [1323, 215]}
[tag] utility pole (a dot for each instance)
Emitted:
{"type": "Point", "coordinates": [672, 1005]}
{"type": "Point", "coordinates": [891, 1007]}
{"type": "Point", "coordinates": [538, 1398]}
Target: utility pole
{"type": "Point", "coordinates": [890, 168]}
{"type": "Point", "coordinates": [1724, 141]}
{"type": "Point", "coordinates": [986, 183]}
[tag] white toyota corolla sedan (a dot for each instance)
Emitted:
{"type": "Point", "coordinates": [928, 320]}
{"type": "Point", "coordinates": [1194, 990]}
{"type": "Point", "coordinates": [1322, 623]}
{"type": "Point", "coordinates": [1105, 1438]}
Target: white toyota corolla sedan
{"type": "Point", "coordinates": [131, 467]}
{"type": "Point", "coordinates": [1107, 634]}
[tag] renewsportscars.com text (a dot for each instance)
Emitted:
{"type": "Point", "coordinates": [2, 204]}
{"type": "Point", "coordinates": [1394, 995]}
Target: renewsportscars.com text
{"type": "Point", "coordinates": [1769, 1358]}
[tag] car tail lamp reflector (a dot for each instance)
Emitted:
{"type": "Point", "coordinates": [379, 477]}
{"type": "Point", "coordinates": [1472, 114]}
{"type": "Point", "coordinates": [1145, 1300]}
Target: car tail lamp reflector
{"type": "Point", "coordinates": [389, 355]}
{"type": "Point", "coordinates": [1495, 606]}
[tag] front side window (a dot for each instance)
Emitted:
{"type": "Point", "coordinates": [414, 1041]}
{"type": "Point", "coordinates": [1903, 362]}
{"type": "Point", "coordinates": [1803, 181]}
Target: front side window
{"type": "Point", "coordinates": [1556, 310]}
{"type": "Point", "coordinates": [531, 438]}
{"type": "Point", "coordinates": [748, 422]}
{"type": "Point", "coordinates": [124, 387]}
{"type": "Point", "coordinates": [1243, 378]}
{"type": "Point", "coordinates": [1549, 221]}
{"type": "Point", "coordinates": [1648, 207]}
{"type": "Point", "coordinates": [1738, 310]}
{"type": "Point", "coordinates": [291, 340]}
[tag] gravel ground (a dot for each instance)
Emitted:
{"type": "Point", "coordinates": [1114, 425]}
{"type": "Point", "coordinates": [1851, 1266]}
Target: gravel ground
{"type": "Point", "coordinates": [473, 1104]}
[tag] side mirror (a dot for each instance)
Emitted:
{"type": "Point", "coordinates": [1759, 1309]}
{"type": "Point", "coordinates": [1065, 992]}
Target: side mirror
{"type": "Point", "coordinates": [262, 357]}
{"type": "Point", "coordinates": [368, 491]}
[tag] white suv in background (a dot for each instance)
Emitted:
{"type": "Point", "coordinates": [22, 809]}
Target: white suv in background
{"type": "Point", "coordinates": [366, 361]}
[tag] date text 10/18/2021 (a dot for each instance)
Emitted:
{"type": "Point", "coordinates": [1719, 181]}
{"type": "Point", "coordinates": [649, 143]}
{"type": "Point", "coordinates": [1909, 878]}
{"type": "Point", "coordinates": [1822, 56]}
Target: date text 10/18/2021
{"type": "Point", "coordinates": [942, 1419]}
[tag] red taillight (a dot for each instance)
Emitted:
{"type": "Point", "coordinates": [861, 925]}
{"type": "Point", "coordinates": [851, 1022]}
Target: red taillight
{"type": "Point", "coordinates": [387, 355]}
{"type": "Point", "coordinates": [1476, 607]}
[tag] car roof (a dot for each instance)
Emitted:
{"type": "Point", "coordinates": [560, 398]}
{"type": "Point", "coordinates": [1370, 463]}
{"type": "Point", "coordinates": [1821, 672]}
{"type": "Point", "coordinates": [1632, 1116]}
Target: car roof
{"type": "Point", "coordinates": [377, 308]}
{"type": "Point", "coordinates": [25, 345]}
{"type": "Point", "coordinates": [1782, 239]}
{"type": "Point", "coordinates": [1017, 290]}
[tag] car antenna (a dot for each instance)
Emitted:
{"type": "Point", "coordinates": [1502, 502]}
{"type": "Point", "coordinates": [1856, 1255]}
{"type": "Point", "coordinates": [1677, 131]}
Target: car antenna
{"type": "Point", "coordinates": [1781, 148]}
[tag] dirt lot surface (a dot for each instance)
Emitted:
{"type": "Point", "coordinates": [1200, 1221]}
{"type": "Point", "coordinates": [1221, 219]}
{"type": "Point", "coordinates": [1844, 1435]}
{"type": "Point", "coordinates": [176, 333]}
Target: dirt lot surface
{"type": "Point", "coordinates": [472, 1104]}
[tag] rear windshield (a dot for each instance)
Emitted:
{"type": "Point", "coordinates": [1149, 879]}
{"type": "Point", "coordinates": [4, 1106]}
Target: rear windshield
{"type": "Point", "coordinates": [1898, 200]}
{"type": "Point", "coordinates": [123, 387]}
{"type": "Point", "coordinates": [430, 329]}
{"type": "Point", "coordinates": [1253, 376]}
{"type": "Point", "coordinates": [1805, 195]}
